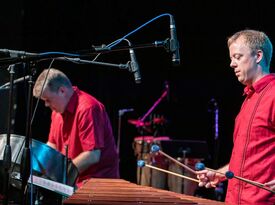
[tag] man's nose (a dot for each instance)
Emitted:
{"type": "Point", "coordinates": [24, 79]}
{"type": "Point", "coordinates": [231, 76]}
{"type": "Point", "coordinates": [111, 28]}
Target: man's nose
{"type": "Point", "coordinates": [233, 64]}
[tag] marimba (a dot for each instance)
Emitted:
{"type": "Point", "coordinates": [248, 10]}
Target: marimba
{"type": "Point", "coordinates": [122, 192]}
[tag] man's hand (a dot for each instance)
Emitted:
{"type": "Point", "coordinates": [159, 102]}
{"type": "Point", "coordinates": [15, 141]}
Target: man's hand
{"type": "Point", "coordinates": [208, 178]}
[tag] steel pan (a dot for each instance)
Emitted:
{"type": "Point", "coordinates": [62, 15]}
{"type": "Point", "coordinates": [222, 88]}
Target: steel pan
{"type": "Point", "coordinates": [46, 161]}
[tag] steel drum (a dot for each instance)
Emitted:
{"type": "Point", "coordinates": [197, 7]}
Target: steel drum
{"type": "Point", "coordinates": [46, 161]}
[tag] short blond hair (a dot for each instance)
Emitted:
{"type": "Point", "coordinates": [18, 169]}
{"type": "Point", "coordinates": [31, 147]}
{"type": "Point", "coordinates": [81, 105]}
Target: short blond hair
{"type": "Point", "coordinates": [52, 79]}
{"type": "Point", "coordinates": [255, 40]}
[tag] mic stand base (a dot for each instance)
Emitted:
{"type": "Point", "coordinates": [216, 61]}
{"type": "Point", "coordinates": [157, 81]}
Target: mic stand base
{"type": "Point", "coordinates": [25, 173]}
{"type": "Point", "coordinates": [7, 151]}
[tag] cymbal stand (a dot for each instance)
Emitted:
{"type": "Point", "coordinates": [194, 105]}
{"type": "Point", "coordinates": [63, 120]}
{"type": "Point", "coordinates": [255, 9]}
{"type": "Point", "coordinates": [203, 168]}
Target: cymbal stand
{"type": "Point", "coordinates": [7, 151]}
{"type": "Point", "coordinates": [164, 94]}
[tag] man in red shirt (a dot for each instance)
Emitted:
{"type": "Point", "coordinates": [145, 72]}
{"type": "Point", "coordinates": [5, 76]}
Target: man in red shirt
{"type": "Point", "coordinates": [253, 155]}
{"type": "Point", "coordinates": [80, 126]}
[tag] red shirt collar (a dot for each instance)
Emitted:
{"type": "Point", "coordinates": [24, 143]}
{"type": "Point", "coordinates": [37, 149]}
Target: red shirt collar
{"type": "Point", "coordinates": [259, 85]}
{"type": "Point", "coordinates": [73, 101]}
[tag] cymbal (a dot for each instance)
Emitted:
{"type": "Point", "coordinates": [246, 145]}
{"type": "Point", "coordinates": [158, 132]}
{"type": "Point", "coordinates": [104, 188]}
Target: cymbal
{"type": "Point", "coordinates": [159, 120]}
{"type": "Point", "coordinates": [138, 123]}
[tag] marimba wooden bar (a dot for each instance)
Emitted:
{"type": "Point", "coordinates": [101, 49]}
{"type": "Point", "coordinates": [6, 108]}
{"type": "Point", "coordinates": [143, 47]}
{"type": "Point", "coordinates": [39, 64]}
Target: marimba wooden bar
{"type": "Point", "coordinates": [121, 192]}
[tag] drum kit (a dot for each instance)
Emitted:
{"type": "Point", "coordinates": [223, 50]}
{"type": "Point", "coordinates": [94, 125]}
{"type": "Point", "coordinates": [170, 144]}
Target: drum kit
{"type": "Point", "coordinates": [46, 162]}
{"type": "Point", "coordinates": [184, 151]}
{"type": "Point", "coordinates": [156, 120]}
{"type": "Point", "coordinates": [152, 127]}
{"type": "Point", "coordinates": [142, 145]}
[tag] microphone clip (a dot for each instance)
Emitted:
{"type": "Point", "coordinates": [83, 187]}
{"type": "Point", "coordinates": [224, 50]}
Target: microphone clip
{"type": "Point", "coordinates": [165, 44]}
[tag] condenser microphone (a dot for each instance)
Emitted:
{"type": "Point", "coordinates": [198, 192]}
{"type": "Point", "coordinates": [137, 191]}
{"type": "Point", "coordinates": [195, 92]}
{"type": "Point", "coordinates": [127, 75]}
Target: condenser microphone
{"type": "Point", "coordinates": [134, 66]}
{"type": "Point", "coordinates": [174, 44]}
{"type": "Point", "coordinates": [15, 53]}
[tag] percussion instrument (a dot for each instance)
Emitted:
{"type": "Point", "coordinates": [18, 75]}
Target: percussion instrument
{"type": "Point", "coordinates": [121, 192]}
{"type": "Point", "coordinates": [151, 126]}
{"type": "Point", "coordinates": [139, 123]}
{"type": "Point", "coordinates": [142, 146]}
{"type": "Point", "coordinates": [180, 185]}
{"type": "Point", "coordinates": [162, 160]}
{"type": "Point", "coordinates": [181, 172]}
{"type": "Point", "coordinates": [46, 161]}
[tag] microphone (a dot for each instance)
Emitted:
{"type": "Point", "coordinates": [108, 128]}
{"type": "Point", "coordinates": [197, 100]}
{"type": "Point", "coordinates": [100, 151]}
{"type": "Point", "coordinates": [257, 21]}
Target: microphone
{"type": "Point", "coordinates": [134, 67]}
{"type": "Point", "coordinates": [174, 44]}
{"type": "Point", "coordinates": [15, 53]}
{"type": "Point", "coordinates": [122, 111]}
{"type": "Point", "coordinates": [18, 80]}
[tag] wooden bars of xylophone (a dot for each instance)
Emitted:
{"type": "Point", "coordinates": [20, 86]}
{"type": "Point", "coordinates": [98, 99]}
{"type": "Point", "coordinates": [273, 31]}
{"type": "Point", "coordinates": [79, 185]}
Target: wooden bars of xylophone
{"type": "Point", "coordinates": [121, 192]}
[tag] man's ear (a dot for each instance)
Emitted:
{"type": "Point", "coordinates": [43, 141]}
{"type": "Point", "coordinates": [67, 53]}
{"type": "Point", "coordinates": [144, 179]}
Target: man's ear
{"type": "Point", "coordinates": [259, 56]}
{"type": "Point", "coordinates": [62, 90]}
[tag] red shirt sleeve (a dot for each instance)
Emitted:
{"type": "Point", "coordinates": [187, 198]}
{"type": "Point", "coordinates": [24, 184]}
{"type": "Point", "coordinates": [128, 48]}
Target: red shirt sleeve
{"type": "Point", "coordinates": [91, 134]}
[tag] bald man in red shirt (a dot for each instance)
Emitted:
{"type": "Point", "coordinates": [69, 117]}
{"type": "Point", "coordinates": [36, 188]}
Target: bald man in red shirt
{"type": "Point", "coordinates": [80, 124]}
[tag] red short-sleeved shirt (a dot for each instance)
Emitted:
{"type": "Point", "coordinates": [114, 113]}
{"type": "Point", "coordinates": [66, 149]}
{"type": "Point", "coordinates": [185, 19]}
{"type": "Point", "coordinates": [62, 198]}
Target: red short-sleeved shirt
{"type": "Point", "coordinates": [253, 155]}
{"type": "Point", "coordinates": [85, 126]}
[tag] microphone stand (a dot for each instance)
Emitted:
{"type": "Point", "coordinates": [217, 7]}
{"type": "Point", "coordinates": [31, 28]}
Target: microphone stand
{"type": "Point", "coordinates": [7, 151]}
{"type": "Point", "coordinates": [120, 113]}
{"type": "Point", "coordinates": [103, 49]}
{"type": "Point", "coordinates": [78, 60]}
{"type": "Point", "coordinates": [82, 54]}
{"type": "Point", "coordinates": [217, 140]}
{"type": "Point", "coordinates": [26, 156]}
{"type": "Point", "coordinates": [219, 190]}
{"type": "Point", "coordinates": [214, 110]}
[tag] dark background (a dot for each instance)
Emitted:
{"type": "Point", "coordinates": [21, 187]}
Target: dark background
{"type": "Point", "coordinates": [204, 73]}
